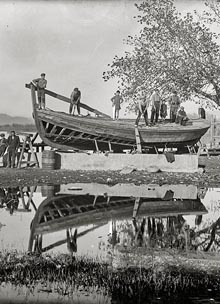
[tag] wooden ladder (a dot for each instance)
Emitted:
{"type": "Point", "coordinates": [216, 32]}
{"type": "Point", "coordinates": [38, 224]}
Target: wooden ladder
{"type": "Point", "coordinates": [28, 162]}
{"type": "Point", "coordinates": [138, 141]}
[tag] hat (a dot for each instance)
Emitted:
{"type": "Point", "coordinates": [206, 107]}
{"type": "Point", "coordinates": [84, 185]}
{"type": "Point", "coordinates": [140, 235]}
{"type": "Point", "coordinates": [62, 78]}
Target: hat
{"type": "Point", "coordinates": [182, 107]}
{"type": "Point", "coordinates": [42, 74]}
{"type": "Point", "coordinates": [2, 135]}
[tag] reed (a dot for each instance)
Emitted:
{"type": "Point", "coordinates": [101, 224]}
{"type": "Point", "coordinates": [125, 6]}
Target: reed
{"type": "Point", "coordinates": [65, 275]}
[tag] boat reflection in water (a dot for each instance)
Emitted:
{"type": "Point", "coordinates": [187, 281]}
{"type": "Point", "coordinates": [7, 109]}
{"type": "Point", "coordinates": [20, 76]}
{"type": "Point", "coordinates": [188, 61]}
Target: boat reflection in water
{"type": "Point", "coordinates": [147, 216]}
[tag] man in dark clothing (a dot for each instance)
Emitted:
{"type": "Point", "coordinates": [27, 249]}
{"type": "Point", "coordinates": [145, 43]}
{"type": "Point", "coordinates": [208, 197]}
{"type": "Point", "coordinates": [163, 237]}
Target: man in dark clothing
{"type": "Point", "coordinates": [181, 116]}
{"type": "Point", "coordinates": [41, 84]}
{"type": "Point", "coordinates": [75, 101]}
{"type": "Point", "coordinates": [3, 144]}
{"type": "Point", "coordinates": [116, 105]}
{"type": "Point", "coordinates": [13, 145]}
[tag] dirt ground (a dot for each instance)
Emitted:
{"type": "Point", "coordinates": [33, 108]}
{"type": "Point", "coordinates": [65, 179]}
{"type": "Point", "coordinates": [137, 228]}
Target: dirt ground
{"type": "Point", "coordinates": [31, 176]}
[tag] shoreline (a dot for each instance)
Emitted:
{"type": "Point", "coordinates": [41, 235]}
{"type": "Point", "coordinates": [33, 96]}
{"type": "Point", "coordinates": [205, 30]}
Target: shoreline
{"type": "Point", "coordinates": [36, 176]}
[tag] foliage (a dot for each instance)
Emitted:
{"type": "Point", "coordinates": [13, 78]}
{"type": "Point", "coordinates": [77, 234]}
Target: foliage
{"type": "Point", "coordinates": [172, 51]}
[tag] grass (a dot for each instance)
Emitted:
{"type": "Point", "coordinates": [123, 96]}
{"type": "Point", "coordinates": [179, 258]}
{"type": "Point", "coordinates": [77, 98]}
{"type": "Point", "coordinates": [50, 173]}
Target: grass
{"type": "Point", "coordinates": [65, 275]}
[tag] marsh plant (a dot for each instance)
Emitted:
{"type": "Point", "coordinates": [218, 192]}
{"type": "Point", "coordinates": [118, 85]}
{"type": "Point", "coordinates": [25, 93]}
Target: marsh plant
{"type": "Point", "coordinates": [66, 275]}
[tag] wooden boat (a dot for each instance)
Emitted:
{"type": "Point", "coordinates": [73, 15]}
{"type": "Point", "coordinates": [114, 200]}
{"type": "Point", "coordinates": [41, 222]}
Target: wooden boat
{"type": "Point", "coordinates": [67, 132]}
{"type": "Point", "coordinates": [65, 211]}
{"type": "Point", "coordinates": [68, 210]}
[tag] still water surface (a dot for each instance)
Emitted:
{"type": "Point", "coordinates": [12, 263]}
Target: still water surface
{"type": "Point", "coordinates": [100, 221]}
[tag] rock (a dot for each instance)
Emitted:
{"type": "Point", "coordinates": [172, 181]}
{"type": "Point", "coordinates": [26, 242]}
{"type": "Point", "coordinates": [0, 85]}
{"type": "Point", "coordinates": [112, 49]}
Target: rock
{"type": "Point", "coordinates": [200, 170]}
{"type": "Point", "coordinates": [127, 170]}
{"type": "Point", "coordinates": [153, 169]}
{"type": "Point", "coordinates": [109, 180]}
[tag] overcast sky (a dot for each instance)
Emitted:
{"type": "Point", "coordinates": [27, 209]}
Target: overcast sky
{"type": "Point", "coordinates": [71, 41]}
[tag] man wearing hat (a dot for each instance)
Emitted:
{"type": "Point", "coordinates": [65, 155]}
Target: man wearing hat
{"type": "Point", "coordinates": [3, 144]}
{"type": "Point", "coordinates": [13, 145]}
{"type": "Point", "coordinates": [41, 84]}
{"type": "Point", "coordinates": [181, 116]}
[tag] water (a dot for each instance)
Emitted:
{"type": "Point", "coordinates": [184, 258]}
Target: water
{"type": "Point", "coordinates": [123, 225]}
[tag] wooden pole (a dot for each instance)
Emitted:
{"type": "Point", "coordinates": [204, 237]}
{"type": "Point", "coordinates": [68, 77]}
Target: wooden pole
{"type": "Point", "coordinates": [212, 131]}
{"type": "Point", "coordinates": [138, 141]}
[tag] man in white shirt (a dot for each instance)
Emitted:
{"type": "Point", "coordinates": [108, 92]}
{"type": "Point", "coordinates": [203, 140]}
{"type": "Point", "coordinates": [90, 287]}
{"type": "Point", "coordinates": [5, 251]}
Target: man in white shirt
{"type": "Point", "coordinates": [142, 110]}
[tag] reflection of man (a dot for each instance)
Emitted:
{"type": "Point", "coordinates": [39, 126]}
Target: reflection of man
{"type": "Point", "coordinates": [71, 241]}
{"type": "Point", "coordinates": [13, 145]}
{"type": "Point", "coordinates": [12, 200]}
{"type": "Point", "coordinates": [139, 232]}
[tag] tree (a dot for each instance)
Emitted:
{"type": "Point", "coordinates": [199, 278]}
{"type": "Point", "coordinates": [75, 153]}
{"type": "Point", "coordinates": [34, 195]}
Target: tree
{"type": "Point", "coordinates": [171, 52]}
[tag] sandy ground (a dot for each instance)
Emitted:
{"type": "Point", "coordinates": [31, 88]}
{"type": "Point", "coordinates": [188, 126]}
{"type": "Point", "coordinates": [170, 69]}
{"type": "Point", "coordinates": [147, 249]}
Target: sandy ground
{"type": "Point", "coordinates": [32, 176]}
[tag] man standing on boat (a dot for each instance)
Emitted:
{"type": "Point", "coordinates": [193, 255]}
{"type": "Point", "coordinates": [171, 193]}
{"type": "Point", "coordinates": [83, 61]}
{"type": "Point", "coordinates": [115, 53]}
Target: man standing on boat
{"type": "Point", "coordinates": [116, 105]}
{"type": "Point", "coordinates": [75, 101]}
{"type": "Point", "coordinates": [142, 110]}
{"type": "Point", "coordinates": [41, 84]}
{"type": "Point", "coordinates": [13, 145]}
{"type": "Point", "coordinates": [155, 104]}
{"type": "Point", "coordinates": [174, 106]}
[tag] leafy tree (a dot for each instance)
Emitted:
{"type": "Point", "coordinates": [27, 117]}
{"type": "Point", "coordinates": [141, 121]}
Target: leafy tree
{"type": "Point", "coordinates": [172, 51]}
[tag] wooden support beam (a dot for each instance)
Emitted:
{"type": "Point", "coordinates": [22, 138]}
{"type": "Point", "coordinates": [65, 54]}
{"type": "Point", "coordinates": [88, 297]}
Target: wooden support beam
{"type": "Point", "coordinates": [66, 99]}
{"type": "Point", "coordinates": [138, 141]}
{"type": "Point", "coordinates": [61, 242]}
{"type": "Point", "coordinates": [53, 130]}
{"type": "Point", "coordinates": [96, 146]}
{"type": "Point", "coordinates": [136, 206]}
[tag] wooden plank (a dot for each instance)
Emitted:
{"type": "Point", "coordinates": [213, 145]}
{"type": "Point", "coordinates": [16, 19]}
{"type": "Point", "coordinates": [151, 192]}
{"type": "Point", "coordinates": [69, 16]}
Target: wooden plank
{"type": "Point", "coordinates": [53, 130]}
{"type": "Point", "coordinates": [57, 209]}
{"type": "Point", "coordinates": [138, 141]}
{"type": "Point", "coordinates": [66, 99]}
{"type": "Point", "coordinates": [22, 153]}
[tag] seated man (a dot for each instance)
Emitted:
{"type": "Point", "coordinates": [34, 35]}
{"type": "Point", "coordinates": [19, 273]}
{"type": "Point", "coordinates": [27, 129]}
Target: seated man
{"type": "Point", "coordinates": [181, 116]}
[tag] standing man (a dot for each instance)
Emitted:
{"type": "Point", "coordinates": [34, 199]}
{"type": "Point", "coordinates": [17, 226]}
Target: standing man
{"type": "Point", "coordinates": [116, 105]}
{"type": "Point", "coordinates": [174, 106]}
{"type": "Point", "coordinates": [13, 145]}
{"type": "Point", "coordinates": [155, 103]}
{"type": "Point", "coordinates": [142, 110]}
{"type": "Point", "coordinates": [41, 84]}
{"type": "Point", "coordinates": [163, 110]}
{"type": "Point", "coordinates": [3, 144]}
{"type": "Point", "coordinates": [75, 101]}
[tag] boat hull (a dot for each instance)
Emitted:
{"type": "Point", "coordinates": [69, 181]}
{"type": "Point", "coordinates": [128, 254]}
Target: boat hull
{"type": "Point", "coordinates": [67, 132]}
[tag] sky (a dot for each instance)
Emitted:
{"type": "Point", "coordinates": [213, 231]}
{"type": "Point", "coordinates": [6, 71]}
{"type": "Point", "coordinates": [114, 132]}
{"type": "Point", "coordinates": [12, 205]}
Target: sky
{"type": "Point", "coordinates": [71, 41]}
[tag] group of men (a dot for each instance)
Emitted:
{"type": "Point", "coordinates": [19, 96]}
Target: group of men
{"type": "Point", "coordinates": [11, 145]}
{"type": "Point", "coordinates": [158, 108]}
{"type": "Point", "coordinates": [156, 105]}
